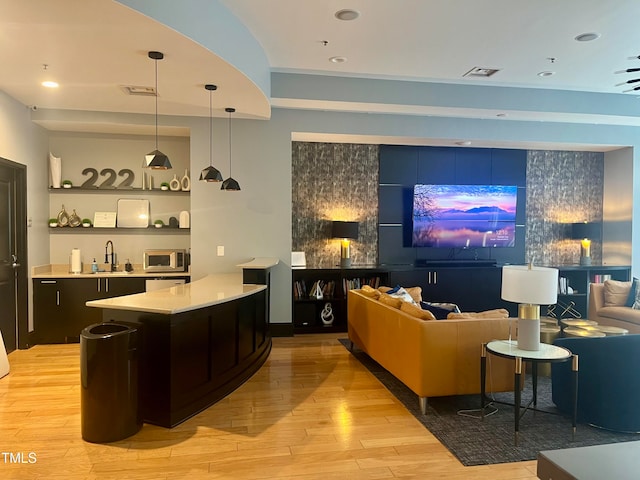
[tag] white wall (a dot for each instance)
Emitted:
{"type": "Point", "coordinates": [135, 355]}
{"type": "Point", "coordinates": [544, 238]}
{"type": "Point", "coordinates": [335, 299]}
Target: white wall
{"type": "Point", "coordinates": [617, 207]}
{"type": "Point", "coordinates": [24, 142]}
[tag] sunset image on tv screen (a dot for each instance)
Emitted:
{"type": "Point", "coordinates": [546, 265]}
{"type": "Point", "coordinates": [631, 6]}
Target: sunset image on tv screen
{"type": "Point", "coordinates": [464, 216]}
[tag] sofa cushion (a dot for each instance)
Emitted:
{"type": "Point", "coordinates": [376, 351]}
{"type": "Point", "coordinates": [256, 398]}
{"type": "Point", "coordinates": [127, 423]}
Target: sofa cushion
{"type": "Point", "coordinates": [389, 300]}
{"type": "Point", "coordinates": [495, 313]}
{"type": "Point", "coordinates": [370, 291]}
{"type": "Point", "coordinates": [616, 293]}
{"type": "Point", "coordinates": [625, 314]}
{"type": "Point", "coordinates": [416, 311]}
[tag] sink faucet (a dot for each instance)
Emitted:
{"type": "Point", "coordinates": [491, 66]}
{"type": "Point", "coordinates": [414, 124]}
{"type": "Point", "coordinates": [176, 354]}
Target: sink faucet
{"type": "Point", "coordinates": [107, 254]}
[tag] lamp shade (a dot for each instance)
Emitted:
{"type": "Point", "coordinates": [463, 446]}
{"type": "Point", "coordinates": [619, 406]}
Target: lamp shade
{"type": "Point", "coordinates": [529, 284]}
{"type": "Point", "coordinates": [585, 230]}
{"type": "Point", "coordinates": [344, 229]}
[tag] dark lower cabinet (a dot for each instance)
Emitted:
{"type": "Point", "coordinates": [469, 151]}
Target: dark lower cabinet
{"type": "Point", "coordinates": [59, 309]}
{"type": "Point", "coordinates": [473, 289]}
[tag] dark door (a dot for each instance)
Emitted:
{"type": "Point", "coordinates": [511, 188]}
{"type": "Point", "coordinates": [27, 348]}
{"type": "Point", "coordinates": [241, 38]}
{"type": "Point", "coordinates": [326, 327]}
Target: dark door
{"type": "Point", "coordinates": [13, 254]}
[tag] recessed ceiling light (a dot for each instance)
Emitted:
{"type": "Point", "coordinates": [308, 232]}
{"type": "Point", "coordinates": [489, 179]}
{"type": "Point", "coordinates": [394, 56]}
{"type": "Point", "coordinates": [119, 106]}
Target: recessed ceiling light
{"type": "Point", "coordinates": [338, 59]}
{"type": "Point", "coordinates": [463, 143]}
{"type": "Point", "coordinates": [50, 84]}
{"type": "Point", "coordinates": [546, 73]}
{"type": "Point", "coordinates": [587, 37]}
{"type": "Point", "coordinates": [347, 14]}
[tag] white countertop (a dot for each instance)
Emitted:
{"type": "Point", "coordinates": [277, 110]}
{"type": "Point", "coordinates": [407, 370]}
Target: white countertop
{"type": "Point", "coordinates": [62, 271]}
{"type": "Point", "coordinates": [210, 290]}
{"type": "Point", "coordinates": [260, 263]}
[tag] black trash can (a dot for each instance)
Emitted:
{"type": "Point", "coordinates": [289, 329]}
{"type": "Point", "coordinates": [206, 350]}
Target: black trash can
{"type": "Point", "coordinates": [110, 409]}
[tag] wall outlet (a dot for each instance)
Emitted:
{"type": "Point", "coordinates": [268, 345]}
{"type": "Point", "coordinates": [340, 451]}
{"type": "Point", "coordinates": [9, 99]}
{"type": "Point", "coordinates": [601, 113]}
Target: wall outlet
{"type": "Point", "coordinates": [220, 250]}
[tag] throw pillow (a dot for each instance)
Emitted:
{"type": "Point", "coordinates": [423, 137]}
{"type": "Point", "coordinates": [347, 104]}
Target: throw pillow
{"type": "Point", "coordinates": [416, 294]}
{"type": "Point", "coordinates": [616, 293]}
{"type": "Point", "coordinates": [416, 311]}
{"type": "Point", "coordinates": [389, 300]}
{"type": "Point", "coordinates": [632, 293]}
{"type": "Point", "coordinates": [636, 302]}
{"type": "Point", "coordinates": [370, 292]}
{"type": "Point", "coordinates": [402, 294]}
{"type": "Point", "coordinates": [440, 310]}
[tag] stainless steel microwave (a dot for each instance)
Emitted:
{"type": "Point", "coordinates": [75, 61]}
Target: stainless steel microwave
{"type": "Point", "coordinates": [169, 260]}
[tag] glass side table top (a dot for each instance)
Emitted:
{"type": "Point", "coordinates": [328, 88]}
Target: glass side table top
{"type": "Point", "coordinates": [510, 348]}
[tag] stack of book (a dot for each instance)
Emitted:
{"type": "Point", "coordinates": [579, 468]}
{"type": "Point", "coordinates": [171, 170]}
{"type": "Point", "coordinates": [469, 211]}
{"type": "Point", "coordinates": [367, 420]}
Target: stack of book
{"type": "Point", "coordinates": [563, 286]}
{"type": "Point", "coordinates": [601, 278]}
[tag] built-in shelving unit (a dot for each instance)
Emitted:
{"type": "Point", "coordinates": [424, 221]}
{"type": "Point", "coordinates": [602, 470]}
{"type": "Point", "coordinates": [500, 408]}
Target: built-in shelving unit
{"type": "Point", "coordinates": [334, 283]}
{"type": "Point", "coordinates": [120, 230]}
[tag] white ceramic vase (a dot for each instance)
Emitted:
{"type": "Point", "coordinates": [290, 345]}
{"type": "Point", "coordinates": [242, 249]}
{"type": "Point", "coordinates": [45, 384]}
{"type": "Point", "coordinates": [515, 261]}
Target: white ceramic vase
{"type": "Point", "coordinates": [55, 167]}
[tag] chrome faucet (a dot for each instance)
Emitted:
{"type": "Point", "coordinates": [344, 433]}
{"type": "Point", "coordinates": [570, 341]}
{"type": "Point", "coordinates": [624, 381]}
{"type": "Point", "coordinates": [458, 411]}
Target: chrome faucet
{"type": "Point", "coordinates": [107, 254]}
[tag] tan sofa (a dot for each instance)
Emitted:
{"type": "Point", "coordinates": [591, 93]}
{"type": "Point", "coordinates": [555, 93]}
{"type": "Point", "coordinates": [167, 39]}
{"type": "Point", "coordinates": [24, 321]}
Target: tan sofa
{"type": "Point", "coordinates": [432, 357]}
{"type": "Point", "coordinates": [609, 309]}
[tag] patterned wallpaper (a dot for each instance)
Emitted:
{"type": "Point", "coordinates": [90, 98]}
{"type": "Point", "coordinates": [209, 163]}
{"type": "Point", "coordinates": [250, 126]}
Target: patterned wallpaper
{"type": "Point", "coordinates": [334, 182]}
{"type": "Point", "coordinates": [340, 182]}
{"type": "Point", "coordinates": [562, 188]}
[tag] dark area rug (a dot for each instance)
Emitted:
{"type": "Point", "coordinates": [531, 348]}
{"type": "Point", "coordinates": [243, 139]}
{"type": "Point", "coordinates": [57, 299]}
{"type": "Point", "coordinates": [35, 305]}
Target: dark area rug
{"type": "Point", "coordinates": [457, 423]}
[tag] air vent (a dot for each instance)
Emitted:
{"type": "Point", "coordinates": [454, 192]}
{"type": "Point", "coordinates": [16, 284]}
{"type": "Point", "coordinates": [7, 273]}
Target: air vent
{"type": "Point", "coordinates": [481, 72]}
{"type": "Point", "coordinates": [144, 91]}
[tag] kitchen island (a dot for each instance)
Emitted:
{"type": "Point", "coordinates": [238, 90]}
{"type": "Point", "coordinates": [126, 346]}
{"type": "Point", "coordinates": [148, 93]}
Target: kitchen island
{"type": "Point", "coordinates": [197, 342]}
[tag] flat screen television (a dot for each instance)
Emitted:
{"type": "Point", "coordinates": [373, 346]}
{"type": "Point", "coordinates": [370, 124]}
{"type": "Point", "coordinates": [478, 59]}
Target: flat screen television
{"type": "Point", "coordinates": [464, 216]}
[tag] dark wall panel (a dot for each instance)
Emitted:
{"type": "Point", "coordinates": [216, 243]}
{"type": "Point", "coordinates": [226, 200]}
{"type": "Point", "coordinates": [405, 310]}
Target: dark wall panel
{"type": "Point", "coordinates": [444, 165]}
{"type": "Point", "coordinates": [473, 166]}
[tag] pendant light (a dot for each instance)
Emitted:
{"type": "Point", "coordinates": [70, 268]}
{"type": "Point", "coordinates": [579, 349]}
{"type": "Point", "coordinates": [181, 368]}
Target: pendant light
{"type": "Point", "coordinates": [211, 173]}
{"type": "Point", "coordinates": [230, 183]}
{"type": "Point", "coordinates": [156, 160]}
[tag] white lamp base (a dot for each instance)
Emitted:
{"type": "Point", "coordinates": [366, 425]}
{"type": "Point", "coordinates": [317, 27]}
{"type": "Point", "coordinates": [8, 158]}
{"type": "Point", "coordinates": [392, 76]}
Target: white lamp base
{"type": "Point", "coordinates": [529, 327]}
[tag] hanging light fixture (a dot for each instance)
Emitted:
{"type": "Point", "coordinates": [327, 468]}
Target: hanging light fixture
{"type": "Point", "coordinates": [156, 160]}
{"type": "Point", "coordinates": [211, 173]}
{"type": "Point", "coordinates": [230, 183]}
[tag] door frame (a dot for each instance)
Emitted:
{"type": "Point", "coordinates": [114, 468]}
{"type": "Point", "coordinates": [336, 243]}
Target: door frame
{"type": "Point", "coordinates": [21, 249]}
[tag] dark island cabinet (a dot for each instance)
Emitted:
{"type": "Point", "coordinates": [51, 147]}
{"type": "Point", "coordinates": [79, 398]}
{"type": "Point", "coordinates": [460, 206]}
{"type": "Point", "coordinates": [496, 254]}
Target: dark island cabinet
{"type": "Point", "coordinates": [59, 309]}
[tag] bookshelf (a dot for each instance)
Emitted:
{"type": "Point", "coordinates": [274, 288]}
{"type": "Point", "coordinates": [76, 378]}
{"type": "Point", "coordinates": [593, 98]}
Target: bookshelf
{"type": "Point", "coordinates": [320, 296]}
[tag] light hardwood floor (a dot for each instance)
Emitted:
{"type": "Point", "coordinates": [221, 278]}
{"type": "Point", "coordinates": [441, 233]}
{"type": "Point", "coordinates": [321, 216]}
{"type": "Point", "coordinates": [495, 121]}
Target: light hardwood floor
{"type": "Point", "coordinates": [311, 412]}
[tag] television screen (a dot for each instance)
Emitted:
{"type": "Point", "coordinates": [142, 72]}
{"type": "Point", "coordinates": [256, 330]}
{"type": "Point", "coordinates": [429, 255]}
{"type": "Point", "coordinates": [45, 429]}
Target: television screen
{"type": "Point", "coordinates": [464, 216]}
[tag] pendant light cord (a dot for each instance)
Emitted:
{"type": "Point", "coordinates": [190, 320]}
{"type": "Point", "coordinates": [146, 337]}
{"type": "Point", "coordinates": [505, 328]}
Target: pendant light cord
{"type": "Point", "coordinates": [230, 145]}
{"type": "Point", "coordinates": [155, 61]}
{"type": "Point", "coordinates": [210, 131]}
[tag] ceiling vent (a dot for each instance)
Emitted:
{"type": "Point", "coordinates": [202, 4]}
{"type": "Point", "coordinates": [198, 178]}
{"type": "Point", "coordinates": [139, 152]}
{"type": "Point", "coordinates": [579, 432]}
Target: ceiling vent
{"type": "Point", "coordinates": [481, 72]}
{"type": "Point", "coordinates": [143, 91]}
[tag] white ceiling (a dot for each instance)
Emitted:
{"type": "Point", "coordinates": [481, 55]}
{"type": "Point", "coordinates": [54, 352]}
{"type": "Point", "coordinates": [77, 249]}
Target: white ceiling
{"type": "Point", "coordinates": [93, 47]}
{"type": "Point", "coordinates": [441, 40]}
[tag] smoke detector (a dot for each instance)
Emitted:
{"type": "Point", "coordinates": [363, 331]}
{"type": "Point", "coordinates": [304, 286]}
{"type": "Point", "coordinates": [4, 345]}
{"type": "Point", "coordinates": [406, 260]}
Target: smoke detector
{"type": "Point", "coordinates": [482, 72]}
{"type": "Point", "coordinates": [140, 91]}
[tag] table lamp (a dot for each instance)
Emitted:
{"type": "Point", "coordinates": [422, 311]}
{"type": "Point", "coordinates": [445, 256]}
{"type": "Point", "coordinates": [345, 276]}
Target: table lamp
{"type": "Point", "coordinates": [585, 232]}
{"type": "Point", "coordinates": [530, 287]}
{"type": "Point", "coordinates": [345, 231]}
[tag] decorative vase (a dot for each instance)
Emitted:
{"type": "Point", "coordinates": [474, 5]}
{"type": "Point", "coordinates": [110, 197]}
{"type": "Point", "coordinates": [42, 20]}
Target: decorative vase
{"type": "Point", "coordinates": [185, 183]}
{"type": "Point", "coordinates": [327, 314]}
{"type": "Point", "coordinates": [174, 184]}
{"type": "Point", "coordinates": [55, 167]}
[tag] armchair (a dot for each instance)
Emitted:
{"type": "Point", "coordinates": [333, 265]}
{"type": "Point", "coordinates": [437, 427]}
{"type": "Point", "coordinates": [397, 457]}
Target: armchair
{"type": "Point", "coordinates": [608, 384]}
